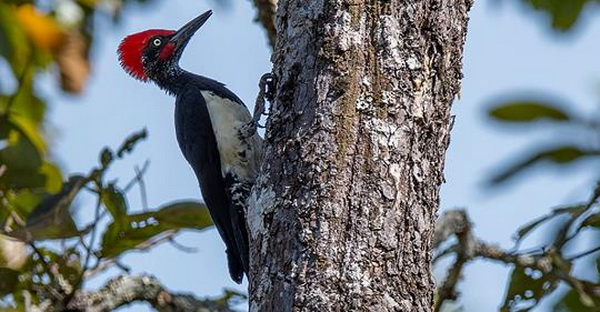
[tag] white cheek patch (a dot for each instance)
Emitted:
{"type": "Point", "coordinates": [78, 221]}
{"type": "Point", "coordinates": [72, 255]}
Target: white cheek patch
{"type": "Point", "coordinates": [238, 156]}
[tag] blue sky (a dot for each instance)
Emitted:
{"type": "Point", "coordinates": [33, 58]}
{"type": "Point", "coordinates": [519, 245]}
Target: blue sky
{"type": "Point", "coordinates": [507, 51]}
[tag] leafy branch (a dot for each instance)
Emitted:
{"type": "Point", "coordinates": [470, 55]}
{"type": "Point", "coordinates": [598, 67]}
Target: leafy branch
{"type": "Point", "coordinates": [54, 279]}
{"type": "Point", "coordinates": [534, 275]}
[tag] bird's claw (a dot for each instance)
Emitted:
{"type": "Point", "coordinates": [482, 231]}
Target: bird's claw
{"type": "Point", "coordinates": [267, 85]}
{"type": "Point", "coordinates": [266, 91]}
{"type": "Point", "coordinates": [248, 129]}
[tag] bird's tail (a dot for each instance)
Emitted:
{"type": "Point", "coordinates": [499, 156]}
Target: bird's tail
{"type": "Point", "coordinates": [238, 193]}
{"type": "Point", "coordinates": [234, 262]}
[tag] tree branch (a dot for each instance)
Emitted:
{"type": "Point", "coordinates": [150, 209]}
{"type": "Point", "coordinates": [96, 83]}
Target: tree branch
{"type": "Point", "coordinates": [126, 289]}
{"type": "Point", "coordinates": [469, 248]}
{"type": "Point", "coordinates": [266, 16]}
{"type": "Point", "coordinates": [457, 223]}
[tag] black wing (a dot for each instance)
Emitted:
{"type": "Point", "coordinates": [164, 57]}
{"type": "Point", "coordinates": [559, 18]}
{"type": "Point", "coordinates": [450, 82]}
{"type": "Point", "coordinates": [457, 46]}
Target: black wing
{"type": "Point", "coordinates": [199, 147]}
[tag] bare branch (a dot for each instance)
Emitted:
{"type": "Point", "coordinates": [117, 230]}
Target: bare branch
{"type": "Point", "coordinates": [142, 184]}
{"type": "Point", "coordinates": [454, 222]}
{"type": "Point", "coordinates": [89, 251]}
{"type": "Point", "coordinates": [585, 253]}
{"type": "Point", "coordinates": [182, 247]}
{"type": "Point", "coordinates": [563, 237]}
{"type": "Point", "coordinates": [138, 174]}
{"type": "Point", "coordinates": [469, 248]}
{"type": "Point", "coordinates": [450, 223]}
{"type": "Point", "coordinates": [266, 16]}
{"type": "Point", "coordinates": [126, 289]}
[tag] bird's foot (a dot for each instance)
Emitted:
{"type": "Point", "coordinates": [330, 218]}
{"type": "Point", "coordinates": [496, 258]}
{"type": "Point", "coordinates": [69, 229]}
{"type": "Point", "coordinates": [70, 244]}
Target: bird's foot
{"type": "Point", "coordinates": [267, 85]}
{"type": "Point", "coordinates": [248, 129]}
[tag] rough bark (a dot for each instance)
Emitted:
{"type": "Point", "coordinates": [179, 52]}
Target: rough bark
{"type": "Point", "coordinates": [342, 216]}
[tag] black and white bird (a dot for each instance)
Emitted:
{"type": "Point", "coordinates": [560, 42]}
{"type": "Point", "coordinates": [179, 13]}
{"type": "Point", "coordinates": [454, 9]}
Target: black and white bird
{"type": "Point", "coordinates": [210, 122]}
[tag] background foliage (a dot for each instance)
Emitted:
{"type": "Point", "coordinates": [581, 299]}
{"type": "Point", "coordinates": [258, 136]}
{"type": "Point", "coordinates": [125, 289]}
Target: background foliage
{"type": "Point", "coordinates": [46, 256]}
{"type": "Point", "coordinates": [35, 203]}
{"type": "Point", "coordinates": [573, 142]}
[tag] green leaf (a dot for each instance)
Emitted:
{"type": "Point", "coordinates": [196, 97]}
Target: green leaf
{"type": "Point", "coordinates": [114, 201]}
{"type": "Point", "coordinates": [14, 45]}
{"type": "Point", "coordinates": [5, 125]}
{"type": "Point", "coordinates": [558, 156]}
{"type": "Point", "coordinates": [106, 157]}
{"type": "Point", "coordinates": [8, 281]}
{"type": "Point", "coordinates": [23, 161]}
{"type": "Point", "coordinates": [592, 220]}
{"type": "Point", "coordinates": [567, 154]}
{"type": "Point", "coordinates": [572, 301]}
{"type": "Point", "coordinates": [69, 265]}
{"type": "Point", "coordinates": [527, 111]}
{"type": "Point", "coordinates": [190, 215]}
{"type": "Point", "coordinates": [5, 46]}
{"type": "Point", "coordinates": [527, 287]}
{"type": "Point", "coordinates": [143, 227]}
{"type": "Point", "coordinates": [564, 13]}
{"type": "Point", "coordinates": [28, 106]}
{"type": "Point", "coordinates": [131, 141]}
{"type": "Point", "coordinates": [51, 218]}
{"type": "Point", "coordinates": [526, 229]}
{"type": "Point", "coordinates": [53, 177]}
{"type": "Point", "coordinates": [4, 213]}
{"type": "Point", "coordinates": [24, 202]}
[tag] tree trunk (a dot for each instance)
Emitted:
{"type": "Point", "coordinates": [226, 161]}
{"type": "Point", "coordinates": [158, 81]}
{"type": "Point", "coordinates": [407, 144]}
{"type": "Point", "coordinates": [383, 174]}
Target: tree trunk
{"type": "Point", "coordinates": [343, 212]}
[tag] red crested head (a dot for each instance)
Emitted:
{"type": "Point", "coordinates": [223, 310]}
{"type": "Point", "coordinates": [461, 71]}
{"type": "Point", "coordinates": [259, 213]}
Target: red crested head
{"type": "Point", "coordinates": [132, 48]}
{"type": "Point", "coordinates": [154, 54]}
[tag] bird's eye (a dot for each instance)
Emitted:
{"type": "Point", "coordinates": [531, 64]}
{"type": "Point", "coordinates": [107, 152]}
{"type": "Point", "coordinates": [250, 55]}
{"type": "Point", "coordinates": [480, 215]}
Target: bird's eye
{"type": "Point", "coordinates": [157, 42]}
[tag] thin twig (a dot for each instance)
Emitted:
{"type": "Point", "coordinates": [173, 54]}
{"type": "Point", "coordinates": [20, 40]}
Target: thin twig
{"type": "Point", "coordinates": [563, 235]}
{"type": "Point", "coordinates": [583, 254]}
{"type": "Point", "coordinates": [181, 247]}
{"type": "Point", "coordinates": [100, 266]}
{"type": "Point", "coordinates": [89, 251]}
{"type": "Point", "coordinates": [142, 184]}
{"type": "Point", "coordinates": [448, 251]}
{"type": "Point", "coordinates": [135, 179]}
{"type": "Point", "coordinates": [40, 255]}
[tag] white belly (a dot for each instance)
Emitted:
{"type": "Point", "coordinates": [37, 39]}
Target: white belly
{"type": "Point", "coordinates": [238, 156]}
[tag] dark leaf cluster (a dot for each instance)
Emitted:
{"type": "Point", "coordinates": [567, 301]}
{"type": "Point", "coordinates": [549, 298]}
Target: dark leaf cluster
{"type": "Point", "coordinates": [32, 215]}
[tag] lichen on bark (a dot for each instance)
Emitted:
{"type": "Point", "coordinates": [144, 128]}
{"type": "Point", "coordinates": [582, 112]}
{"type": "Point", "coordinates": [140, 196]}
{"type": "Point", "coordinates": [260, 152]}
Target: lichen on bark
{"type": "Point", "coordinates": [342, 215]}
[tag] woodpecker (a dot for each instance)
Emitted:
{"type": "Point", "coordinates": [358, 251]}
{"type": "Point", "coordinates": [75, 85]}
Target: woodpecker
{"type": "Point", "coordinates": [209, 121]}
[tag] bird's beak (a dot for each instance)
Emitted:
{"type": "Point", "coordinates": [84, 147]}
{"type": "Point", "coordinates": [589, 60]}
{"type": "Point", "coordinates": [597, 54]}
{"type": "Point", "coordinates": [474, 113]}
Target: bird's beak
{"type": "Point", "coordinates": [185, 33]}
